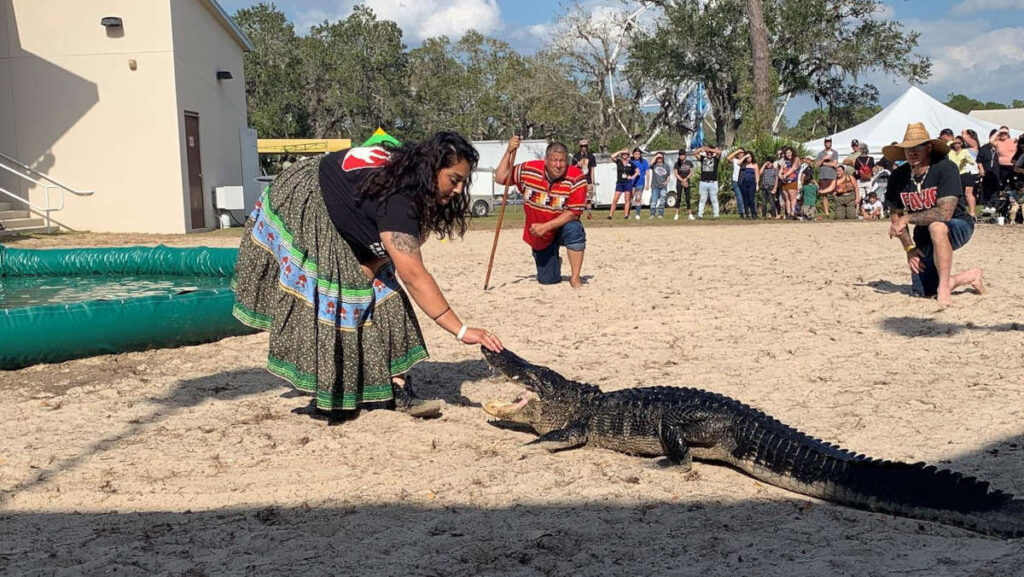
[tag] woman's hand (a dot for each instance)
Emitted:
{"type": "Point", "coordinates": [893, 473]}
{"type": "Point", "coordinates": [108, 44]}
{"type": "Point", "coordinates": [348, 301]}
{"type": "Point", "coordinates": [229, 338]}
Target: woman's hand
{"type": "Point", "coordinates": [475, 336]}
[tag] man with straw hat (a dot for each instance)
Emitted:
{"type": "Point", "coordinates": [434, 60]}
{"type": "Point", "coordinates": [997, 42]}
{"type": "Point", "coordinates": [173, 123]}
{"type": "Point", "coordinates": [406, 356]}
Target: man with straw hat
{"type": "Point", "coordinates": [925, 191]}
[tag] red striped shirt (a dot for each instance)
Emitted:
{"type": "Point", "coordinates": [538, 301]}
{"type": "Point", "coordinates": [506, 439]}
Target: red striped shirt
{"type": "Point", "coordinates": [544, 200]}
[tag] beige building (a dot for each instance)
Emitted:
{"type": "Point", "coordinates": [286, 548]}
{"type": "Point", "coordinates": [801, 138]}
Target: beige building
{"type": "Point", "coordinates": [1012, 118]}
{"type": "Point", "coordinates": [140, 101]}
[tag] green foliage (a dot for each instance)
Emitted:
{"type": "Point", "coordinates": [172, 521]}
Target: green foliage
{"type": "Point", "coordinates": [966, 104]}
{"type": "Point", "coordinates": [271, 73]}
{"type": "Point", "coordinates": [819, 122]}
{"type": "Point", "coordinates": [346, 78]}
{"type": "Point", "coordinates": [817, 48]}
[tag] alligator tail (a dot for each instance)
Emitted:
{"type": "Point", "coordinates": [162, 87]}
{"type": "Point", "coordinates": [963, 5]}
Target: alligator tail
{"type": "Point", "coordinates": [777, 454]}
{"type": "Point", "coordinates": [922, 491]}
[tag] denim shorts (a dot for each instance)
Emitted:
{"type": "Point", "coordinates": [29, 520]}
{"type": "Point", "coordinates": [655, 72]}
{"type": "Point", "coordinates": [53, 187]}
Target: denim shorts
{"type": "Point", "coordinates": [549, 266]}
{"type": "Point", "coordinates": [926, 283]}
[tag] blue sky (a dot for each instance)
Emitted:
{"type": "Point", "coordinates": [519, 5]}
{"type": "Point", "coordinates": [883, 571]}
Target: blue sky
{"type": "Point", "coordinates": [976, 46]}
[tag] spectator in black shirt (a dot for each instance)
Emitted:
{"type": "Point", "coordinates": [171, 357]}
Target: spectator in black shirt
{"type": "Point", "coordinates": [926, 192]}
{"type": "Point", "coordinates": [586, 161]}
{"type": "Point", "coordinates": [988, 170]}
{"type": "Point", "coordinates": [320, 260]}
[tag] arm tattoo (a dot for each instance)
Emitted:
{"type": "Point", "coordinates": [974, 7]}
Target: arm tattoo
{"type": "Point", "coordinates": [406, 243]}
{"type": "Point", "coordinates": [941, 212]}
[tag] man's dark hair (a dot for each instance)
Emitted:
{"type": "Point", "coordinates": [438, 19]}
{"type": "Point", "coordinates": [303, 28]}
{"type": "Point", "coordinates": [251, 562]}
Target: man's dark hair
{"type": "Point", "coordinates": [556, 147]}
{"type": "Point", "coordinates": [412, 171]}
{"type": "Point", "coordinates": [944, 131]}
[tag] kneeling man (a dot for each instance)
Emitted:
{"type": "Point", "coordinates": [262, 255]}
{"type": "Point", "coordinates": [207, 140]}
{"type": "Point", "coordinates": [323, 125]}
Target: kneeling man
{"type": "Point", "coordinates": [926, 192]}
{"type": "Point", "coordinates": [554, 195]}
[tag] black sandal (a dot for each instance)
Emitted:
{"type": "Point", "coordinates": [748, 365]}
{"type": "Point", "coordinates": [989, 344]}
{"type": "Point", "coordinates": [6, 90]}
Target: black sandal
{"type": "Point", "coordinates": [408, 402]}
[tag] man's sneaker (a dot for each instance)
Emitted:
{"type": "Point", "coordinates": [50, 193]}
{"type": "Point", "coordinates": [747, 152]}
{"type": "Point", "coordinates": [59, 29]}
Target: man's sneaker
{"type": "Point", "coordinates": [661, 216]}
{"type": "Point", "coordinates": [677, 217]}
{"type": "Point", "coordinates": [691, 217]}
{"type": "Point", "coordinates": [650, 217]}
{"type": "Point", "coordinates": [989, 210]}
{"type": "Point", "coordinates": [638, 216]}
{"type": "Point", "coordinates": [406, 401]}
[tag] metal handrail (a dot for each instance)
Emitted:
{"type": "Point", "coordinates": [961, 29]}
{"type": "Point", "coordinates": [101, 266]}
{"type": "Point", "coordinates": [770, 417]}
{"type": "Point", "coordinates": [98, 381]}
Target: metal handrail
{"type": "Point", "coordinates": [55, 185]}
{"type": "Point", "coordinates": [19, 199]}
{"type": "Point", "coordinates": [43, 176]}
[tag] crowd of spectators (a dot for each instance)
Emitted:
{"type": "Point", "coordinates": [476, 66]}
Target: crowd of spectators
{"type": "Point", "coordinates": [828, 185]}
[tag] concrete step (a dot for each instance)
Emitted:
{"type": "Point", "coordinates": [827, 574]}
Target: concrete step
{"type": "Point", "coordinates": [23, 230]}
{"type": "Point", "coordinates": [6, 215]}
{"type": "Point", "coordinates": [12, 223]}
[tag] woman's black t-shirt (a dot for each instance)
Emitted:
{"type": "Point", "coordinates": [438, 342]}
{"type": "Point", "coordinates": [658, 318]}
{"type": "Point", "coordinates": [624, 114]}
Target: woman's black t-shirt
{"type": "Point", "coordinates": [361, 220]}
{"type": "Point", "coordinates": [624, 172]}
{"type": "Point", "coordinates": [942, 179]}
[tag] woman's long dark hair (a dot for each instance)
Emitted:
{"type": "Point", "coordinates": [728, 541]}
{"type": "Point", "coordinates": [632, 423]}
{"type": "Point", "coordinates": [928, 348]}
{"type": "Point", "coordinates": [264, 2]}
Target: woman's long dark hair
{"type": "Point", "coordinates": [413, 171]}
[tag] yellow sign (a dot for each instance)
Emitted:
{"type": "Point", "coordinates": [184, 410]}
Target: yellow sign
{"type": "Point", "coordinates": [301, 145]}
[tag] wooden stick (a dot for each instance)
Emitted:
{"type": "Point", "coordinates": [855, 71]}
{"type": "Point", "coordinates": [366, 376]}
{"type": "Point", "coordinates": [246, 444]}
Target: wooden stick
{"type": "Point", "coordinates": [501, 217]}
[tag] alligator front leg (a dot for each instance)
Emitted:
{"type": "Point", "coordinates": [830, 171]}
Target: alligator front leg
{"type": "Point", "coordinates": [571, 437]}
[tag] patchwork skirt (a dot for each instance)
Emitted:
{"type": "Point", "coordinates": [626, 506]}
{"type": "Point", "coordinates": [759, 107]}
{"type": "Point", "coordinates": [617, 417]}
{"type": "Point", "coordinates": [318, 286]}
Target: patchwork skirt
{"type": "Point", "coordinates": [334, 332]}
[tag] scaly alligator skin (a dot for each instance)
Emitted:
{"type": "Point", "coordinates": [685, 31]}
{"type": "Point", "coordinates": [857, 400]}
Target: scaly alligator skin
{"type": "Point", "coordinates": [684, 423]}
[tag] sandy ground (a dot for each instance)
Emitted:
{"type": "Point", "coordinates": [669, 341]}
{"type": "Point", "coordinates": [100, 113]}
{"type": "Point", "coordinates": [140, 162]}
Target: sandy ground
{"type": "Point", "coordinates": [196, 461]}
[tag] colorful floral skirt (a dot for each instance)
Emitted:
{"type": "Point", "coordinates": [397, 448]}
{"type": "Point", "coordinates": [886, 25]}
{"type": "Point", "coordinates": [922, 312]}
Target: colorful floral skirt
{"type": "Point", "coordinates": [334, 333]}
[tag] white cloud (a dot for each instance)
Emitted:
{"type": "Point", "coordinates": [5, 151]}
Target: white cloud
{"type": "Point", "coordinates": [986, 66]}
{"type": "Point", "coordinates": [975, 6]}
{"type": "Point", "coordinates": [421, 19]}
{"type": "Point", "coordinates": [304, 20]}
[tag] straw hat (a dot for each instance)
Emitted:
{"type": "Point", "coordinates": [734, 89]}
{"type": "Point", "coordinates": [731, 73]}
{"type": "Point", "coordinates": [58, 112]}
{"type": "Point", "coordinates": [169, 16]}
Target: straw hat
{"type": "Point", "coordinates": [915, 135]}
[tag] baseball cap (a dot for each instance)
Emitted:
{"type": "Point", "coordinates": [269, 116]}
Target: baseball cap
{"type": "Point", "coordinates": [828, 139]}
{"type": "Point", "coordinates": [855, 142]}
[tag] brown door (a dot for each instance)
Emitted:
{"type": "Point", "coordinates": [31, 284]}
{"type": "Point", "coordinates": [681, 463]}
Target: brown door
{"type": "Point", "coordinates": [195, 171]}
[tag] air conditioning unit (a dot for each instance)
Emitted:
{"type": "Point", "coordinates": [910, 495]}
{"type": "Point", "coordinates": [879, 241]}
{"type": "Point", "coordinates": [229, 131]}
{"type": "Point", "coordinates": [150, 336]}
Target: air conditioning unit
{"type": "Point", "coordinates": [229, 198]}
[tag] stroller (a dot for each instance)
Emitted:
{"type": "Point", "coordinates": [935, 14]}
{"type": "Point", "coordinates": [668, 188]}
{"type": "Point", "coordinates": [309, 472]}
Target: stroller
{"type": "Point", "coordinates": [879, 182]}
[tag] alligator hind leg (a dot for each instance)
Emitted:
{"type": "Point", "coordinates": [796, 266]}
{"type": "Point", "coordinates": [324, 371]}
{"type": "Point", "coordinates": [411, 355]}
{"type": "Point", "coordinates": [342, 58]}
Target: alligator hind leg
{"type": "Point", "coordinates": [573, 436]}
{"type": "Point", "coordinates": [683, 427]}
{"type": "Point", "coordinates": [676, 449]}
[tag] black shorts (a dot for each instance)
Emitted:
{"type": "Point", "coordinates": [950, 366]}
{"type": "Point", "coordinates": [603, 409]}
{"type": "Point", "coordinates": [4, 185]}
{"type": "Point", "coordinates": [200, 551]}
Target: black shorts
{"type": "Point", "coordinates": [968, 180]}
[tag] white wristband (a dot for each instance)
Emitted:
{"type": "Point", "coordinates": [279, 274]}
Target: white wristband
{"type": "Point", "coordinates": [462, 332]}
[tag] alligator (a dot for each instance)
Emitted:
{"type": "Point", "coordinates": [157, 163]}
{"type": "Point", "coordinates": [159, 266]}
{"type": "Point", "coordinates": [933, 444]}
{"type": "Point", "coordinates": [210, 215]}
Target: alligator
{"type": "Point", "coordinates": [683, 424]}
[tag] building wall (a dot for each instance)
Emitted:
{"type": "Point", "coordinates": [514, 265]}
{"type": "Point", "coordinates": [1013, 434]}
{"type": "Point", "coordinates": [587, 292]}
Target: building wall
{"type": "Point", "coordinates": [83, 117]}
{"type": "Point", "coordinates": [202, 47]}
{"type": "Point", "coordinates": [7, 140]}
{"type": "Point", "coordinates": [1011, 117]}
{"type": "Point", "coordinates": [71, 106]}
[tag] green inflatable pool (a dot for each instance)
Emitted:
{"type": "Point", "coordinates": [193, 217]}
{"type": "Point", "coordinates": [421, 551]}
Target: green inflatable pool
{"type": "Point", "coordinates": [57, 305]}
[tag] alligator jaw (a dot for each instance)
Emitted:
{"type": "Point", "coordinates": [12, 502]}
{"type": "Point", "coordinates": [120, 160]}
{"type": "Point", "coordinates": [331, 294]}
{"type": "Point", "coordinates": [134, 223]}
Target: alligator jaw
{"type": "Point", "coordinates": [508, 411]}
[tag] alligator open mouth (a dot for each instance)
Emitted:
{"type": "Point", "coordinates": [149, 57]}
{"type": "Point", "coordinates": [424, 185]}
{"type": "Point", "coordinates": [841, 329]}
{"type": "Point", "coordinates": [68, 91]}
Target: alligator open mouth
{"type": "Point", "coordinates": [506, 410]}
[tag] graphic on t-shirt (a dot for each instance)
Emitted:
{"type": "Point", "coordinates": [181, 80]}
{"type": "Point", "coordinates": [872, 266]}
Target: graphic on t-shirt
{"type": "Point", "coordinates": [359, 158]}
{"type": "Point", "coordinates": [919, 200]}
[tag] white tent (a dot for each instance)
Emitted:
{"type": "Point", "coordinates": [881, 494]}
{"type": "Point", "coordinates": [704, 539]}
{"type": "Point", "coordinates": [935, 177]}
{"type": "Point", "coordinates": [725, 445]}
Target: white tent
{"type": "Point", "coordinates": [890, 124]}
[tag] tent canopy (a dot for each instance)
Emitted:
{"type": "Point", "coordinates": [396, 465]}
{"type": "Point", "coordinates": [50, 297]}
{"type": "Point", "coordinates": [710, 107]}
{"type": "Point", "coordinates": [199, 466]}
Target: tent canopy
{"type": "Point", "coordinates": [890, 124]}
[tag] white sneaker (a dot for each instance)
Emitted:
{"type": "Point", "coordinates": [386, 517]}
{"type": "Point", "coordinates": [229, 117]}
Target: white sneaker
{"type": "Point", "coordinates": [677, 217]}
{"type": "Point", "coordinates": [638, 217]}
{"type": "Point", "coordinates": [661, 216]}
{"type": "Point", "coordinates": [691, 217]}
{"type": "Point", "coordinates": [650, 217]}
